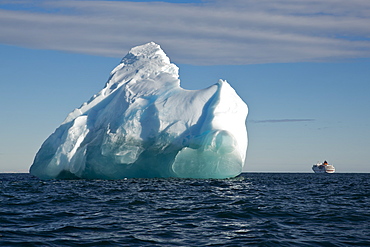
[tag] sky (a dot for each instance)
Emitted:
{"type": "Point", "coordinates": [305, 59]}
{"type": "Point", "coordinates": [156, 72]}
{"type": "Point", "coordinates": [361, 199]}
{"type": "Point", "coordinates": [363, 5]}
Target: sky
{"type": "Point", "coordinates": [303, 68]}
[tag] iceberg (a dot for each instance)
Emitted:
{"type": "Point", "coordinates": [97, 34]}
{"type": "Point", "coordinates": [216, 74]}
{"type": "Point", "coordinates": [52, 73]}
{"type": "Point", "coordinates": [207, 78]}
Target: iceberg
{"type": "Point", "coordinates": [142, 124]}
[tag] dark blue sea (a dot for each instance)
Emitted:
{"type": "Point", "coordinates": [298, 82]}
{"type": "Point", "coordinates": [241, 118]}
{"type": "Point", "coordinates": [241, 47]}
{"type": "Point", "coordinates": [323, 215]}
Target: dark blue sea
{"type": "Point", "coordinates": [256, 209]}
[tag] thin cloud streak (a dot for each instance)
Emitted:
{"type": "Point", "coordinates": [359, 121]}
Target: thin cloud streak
{"type": "Point", "coordinates": [215, 32]}
{"type": "Point", "coordinates": [282, 120]}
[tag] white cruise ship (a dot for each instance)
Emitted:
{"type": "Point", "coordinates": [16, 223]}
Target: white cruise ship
{"type": "Point", "coordinates": [323, 167]}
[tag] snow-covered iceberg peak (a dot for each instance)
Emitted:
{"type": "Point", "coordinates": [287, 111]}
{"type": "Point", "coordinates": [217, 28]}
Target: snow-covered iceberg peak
{"type": "Point", "coordinates": [143, 124]}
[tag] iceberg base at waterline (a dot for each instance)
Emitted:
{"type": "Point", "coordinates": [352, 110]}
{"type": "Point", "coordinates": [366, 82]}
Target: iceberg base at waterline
{"type": "Point", "coordinates": [142, 124]}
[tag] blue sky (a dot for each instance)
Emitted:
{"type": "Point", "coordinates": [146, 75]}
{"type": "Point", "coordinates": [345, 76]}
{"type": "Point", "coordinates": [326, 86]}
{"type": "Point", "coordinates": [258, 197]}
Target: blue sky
{"type": "Point", "coordinates": [302, 68]}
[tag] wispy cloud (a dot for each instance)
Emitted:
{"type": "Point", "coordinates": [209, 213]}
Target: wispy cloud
{"type": "Point", "coordinates": [283, 120]}
{"type": "Point", "coordinates": [213, 32]}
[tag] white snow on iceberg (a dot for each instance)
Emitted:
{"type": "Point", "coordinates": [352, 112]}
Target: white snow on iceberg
{"type": "Point", "coordinates": [142, 124]}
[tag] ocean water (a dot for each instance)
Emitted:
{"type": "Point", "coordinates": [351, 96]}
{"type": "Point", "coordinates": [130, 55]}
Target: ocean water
{"type": "Point", "coordinates": [257, 209]}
